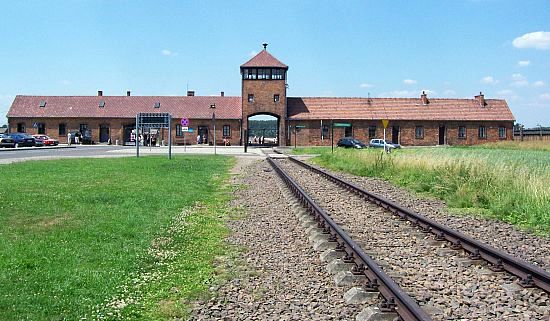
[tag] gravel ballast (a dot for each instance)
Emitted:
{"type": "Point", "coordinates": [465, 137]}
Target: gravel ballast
{"type": "Point", "coordinates": [442, 281]}
{"type": "Point", "coordinates": [285, 279]}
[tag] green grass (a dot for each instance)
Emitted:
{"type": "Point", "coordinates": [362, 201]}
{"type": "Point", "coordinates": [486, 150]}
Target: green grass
{"type": "Point", "coordinates": [504, 183]}
{"type": "Point", "coordinates": [80, 236]}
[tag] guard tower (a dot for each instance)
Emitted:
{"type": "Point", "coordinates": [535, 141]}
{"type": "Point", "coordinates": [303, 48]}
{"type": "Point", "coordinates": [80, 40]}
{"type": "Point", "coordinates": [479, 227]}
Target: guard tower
{"type": "Point", "coordinates": [264, 91]}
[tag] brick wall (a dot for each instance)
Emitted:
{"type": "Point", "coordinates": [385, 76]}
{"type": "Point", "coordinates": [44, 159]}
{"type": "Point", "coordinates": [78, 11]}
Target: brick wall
{"type": "Point", "coordinates": [311, 135]}
{"type": "Point", "coordinates": [263, 91]}
{"type": "Point", "coordinates": [116, 128]}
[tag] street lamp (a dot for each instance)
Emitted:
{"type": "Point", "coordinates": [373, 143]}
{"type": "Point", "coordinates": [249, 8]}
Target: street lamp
{"type": "Point", "coordinates": [540, 130]}
{"type": "Point", "coordinates": [213, 107]}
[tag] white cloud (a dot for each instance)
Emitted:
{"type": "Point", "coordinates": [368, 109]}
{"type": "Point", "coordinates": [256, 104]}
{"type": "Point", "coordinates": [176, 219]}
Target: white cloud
{"type": "Point", "coordinates": [65, 82]}
{"type": "Point", "coordinates": [166, 52]}
{"type": "Point", "coordinates": [489, 80]}
{"type": "Point", "coordinates": [505, 92]}
{"type": "Point", "coordinates": [409, 81]}
{"type": "Point", "coordinates": [545, 96]}
{"type": "Point", "coordinates": [518, 80]}
{"type": "Point", "coordinates": [537, 40]}
{"type": "Point", "coordinates": [449, 92]}
{"type": "Point", "coordinates": [539, 83]}
{"type": "Point", "coordinates": [252, 53]}
{"type": "Point", "coordinates": [399, 94]}
{"type": "Point", "coordinates": [366, 85]}
{"type": "Point", "coordinates": [524, 63]}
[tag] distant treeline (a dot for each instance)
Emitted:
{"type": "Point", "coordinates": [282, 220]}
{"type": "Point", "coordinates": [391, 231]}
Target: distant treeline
{"type": "Point", "coordinates": [265, 128]}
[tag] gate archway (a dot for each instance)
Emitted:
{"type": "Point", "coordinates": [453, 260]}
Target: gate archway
{"type": "Point", "coordinates": [263, 129]}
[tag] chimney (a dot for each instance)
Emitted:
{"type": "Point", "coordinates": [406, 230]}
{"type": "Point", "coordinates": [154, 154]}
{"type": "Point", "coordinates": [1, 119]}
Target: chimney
{"type": "Point", "coordinates": [481, 99]}
{"type": "Point", "coordinates": [128, 93]}
{"type": "Point", "coordinates": [190, 93]}
{"type": "Point", "coordinates": [100, 92]}
{"type": "Point", "coordinates": [424, 98]}
{"type": "Point", "coordinates": [222, 94]}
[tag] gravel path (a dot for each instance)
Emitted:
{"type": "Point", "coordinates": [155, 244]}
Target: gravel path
{"type": "Point", "coordinates": [531, 248]}
{"type": "Point", "coordinates": [440, 280]}
{"type": "Point", "coordinates": [286, 279]}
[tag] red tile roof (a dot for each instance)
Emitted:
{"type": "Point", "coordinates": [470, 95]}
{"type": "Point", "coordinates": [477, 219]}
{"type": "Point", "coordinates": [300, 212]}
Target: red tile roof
{"type": "Point", "coordinates": [398, 109]}
{"type": "Point", "coordinates": [264, 59]}
{"type": "Point", "coordinates": [196, 107]}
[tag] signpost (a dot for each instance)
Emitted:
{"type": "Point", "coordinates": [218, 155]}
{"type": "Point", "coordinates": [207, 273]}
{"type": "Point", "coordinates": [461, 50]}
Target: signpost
{"type": "Point", "coordinates": [153, 120]}
{"type": "Point", "coordinates": [385, 123]}
{"type": "Point", "coordinates": [332, 134]}
{"type": "Point", "coordinates": [184, 128]}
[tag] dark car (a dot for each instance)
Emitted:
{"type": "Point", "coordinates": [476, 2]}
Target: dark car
{"type": "Point", "coordinates": [380, 143]}
{"type": "Point", "coordinates": [350, 142]}
{"type": "Point", "coordinates": [6, 141]}
{"type": "Point", "coordinates": [22, 139]}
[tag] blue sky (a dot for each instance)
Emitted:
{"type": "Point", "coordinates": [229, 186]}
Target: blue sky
{"type": "Point", "coordinates": [451, 48]}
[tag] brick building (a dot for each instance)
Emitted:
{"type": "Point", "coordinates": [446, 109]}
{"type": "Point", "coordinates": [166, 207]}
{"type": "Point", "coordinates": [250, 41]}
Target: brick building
{"type": "Point", "coordinates": [304, 120]}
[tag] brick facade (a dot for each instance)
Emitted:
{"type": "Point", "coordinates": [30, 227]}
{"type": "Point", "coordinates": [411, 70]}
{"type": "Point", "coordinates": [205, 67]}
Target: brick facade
{"type": "Point", "coordinates": [311, 135]}
{"type": "Point", "coordinates": [116, 127]}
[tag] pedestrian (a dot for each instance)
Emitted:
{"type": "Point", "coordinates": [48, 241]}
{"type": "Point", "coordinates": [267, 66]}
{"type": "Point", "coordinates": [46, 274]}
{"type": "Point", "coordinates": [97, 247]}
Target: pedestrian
{"type": "Point", "coordinates": [198, 139]}
{"type": "Point", "coordinates": [69, 139]}
{"type": "Point", "coordinates": [77, 138]}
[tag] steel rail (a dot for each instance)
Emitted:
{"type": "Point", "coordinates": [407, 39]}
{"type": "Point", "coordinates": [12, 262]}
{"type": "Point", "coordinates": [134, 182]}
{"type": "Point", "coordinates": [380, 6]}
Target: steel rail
{"type": "Point", "coordinates": [529, 275]}
{"type": "Point", "coordinates": [395, 298]}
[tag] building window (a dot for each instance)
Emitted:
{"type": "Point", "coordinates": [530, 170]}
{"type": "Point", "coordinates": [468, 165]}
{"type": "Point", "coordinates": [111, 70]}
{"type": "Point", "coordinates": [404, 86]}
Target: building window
{"type": "Point", "coordinates": [21, 127]}
{"type": "Point", "coordinates": [276, 97]}
{"type": "Point", "coordinates": [179, 130]}
{"type": "Point", "coordinates": [226, 131]}
{"type": "Point", "coordinates": [482, 132]}
{"type": "Point", "coordinates": [502, 132]}
{"type": "Point", "coordinates": [62, 130]}
{"type": "Point", "coordinates": [419, 132]}
{"type": "Point", "coordinates": [262, 74]}
{"type": "Point", "coordinates": [250, 98]}
{"type": "Point", "coordinates": [348, 131]}
{"type": "Point", "coordinates": [462, 132]}
{"type": "Point", "coordinates": [252, 74]}
{"type": "Point", "coordinates": [372, 132]}
{"type": "Point", "coordinates": [324, 132]}
{"type": "Point", "coordinates": [41, 128]}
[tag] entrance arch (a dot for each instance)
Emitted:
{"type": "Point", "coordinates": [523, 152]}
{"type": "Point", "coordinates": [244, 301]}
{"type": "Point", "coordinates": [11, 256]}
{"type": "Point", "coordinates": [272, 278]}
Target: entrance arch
{"type": "Point", "coordinates": [263, 129]}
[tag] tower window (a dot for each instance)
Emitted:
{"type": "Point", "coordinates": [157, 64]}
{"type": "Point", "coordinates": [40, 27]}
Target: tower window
{"type": "Point", "coordinates": [276, 97]}
{"type": "Point", "coordinates": [277, 74]}
{"type": "Point", "coordinates": [250, 98]}
{"type": "Point", "coordinates": [262, 74]}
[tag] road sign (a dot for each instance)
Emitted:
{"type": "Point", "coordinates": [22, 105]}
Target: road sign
{"type": "Point", "coordinates": [341, 125]}
{"type": "Point", "coordinates": [385, 122]}
{"type": "Point", "coordinates": [190, 130]}
{"type": "Point", "coordinates": [185, 129]}
{"type": "Point", "coordinates": [185, 122]}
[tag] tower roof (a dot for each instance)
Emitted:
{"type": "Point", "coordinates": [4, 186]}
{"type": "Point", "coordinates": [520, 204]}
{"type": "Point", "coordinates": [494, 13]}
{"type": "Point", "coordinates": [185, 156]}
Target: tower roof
{"type": "Point", "coordinates": [264, 59]}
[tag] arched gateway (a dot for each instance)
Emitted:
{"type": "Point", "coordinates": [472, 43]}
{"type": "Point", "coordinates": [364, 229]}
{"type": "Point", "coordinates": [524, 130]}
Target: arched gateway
{"type": "Point", "coordinates": [264, 91]}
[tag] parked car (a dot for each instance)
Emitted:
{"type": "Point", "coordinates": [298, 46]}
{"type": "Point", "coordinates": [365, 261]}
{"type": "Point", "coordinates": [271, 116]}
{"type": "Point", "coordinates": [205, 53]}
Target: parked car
{"type": "Point", "coordinates": [22, 139]}
{"type": "Point", "coordinates": [38, 142]}
{"type": "Point", "coordinates": [379, 143]}
{"type": "Point", "coordinates": [6, 141]}
{"type": "Point", "coordinates": [47, 140]}
{"type": "Point", "coordinates": [350, 142]}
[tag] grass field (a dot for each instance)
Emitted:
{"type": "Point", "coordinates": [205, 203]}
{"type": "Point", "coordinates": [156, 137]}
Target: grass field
{"type": "Point", "coordinates": [109, 238]}
{"type": "Point", "coordinates": [509, 182]}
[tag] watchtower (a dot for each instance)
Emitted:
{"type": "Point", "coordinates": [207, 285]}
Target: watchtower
{"type": "Point", "coordinates": [264, 91]}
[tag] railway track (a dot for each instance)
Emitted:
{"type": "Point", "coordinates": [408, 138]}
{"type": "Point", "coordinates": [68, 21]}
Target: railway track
{"type": "Point", "coordinates": [422, 269]}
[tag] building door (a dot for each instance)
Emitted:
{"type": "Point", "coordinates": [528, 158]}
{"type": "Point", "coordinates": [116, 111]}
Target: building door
{"type": "Point", "coordinates": [348, 131]}
{"type": "Point", "coordinates": [203, 133]}
{"type": "Point", "coordinates": [103, 133]}
{"type": "Point", "coordinates": [128, 137]}
{"type": "Point", "coordinates": [395, 134]}
{"type": "Point", "coordinates": [441, 135]}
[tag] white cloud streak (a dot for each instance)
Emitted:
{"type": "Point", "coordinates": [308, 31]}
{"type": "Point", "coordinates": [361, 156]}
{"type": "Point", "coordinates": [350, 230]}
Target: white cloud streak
{"type": "Point", "coordinates": [524, 63]}
{"type": "Point", "coordinates": [518, 80]}
{"type": "Point", "coordinates": [489, 80]}
{"type": "Point", "coordinates": [536, 40]}
{"type": "Point", "coordinates": [409, 81]}
{"type": "Point", "coordinates": [366, 85]}
{"type": "Point", "coordinates": [538, 84]}
{"type": "Point", "coordinates": [166, 52]}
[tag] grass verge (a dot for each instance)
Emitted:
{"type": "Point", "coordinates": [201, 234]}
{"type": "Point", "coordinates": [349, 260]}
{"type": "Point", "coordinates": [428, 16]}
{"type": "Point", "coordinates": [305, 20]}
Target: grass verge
{"type": "Point", "coordinates": [507, 184]}
{"type": "Point", "coordinates": [109, 238]}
